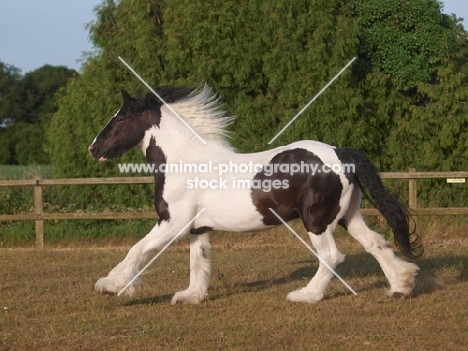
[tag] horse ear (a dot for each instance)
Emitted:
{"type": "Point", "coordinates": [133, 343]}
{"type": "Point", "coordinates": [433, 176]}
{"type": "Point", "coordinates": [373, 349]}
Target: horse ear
{"type": "Point", "coordinates": [126, 96]}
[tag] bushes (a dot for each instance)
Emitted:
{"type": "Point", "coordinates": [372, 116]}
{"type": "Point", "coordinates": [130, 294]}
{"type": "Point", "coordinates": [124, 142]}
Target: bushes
{"type": "Point", "coordinates": [267, 60]}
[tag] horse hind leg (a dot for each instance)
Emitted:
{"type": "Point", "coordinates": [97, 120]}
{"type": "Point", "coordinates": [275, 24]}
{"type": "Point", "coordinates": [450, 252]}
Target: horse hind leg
{"type": "Point", "coordinates": [399, 273]}
{"type": "Point", "coordinates": [200, 268]}
{"type": "Point", "coordinates": [326, 249]}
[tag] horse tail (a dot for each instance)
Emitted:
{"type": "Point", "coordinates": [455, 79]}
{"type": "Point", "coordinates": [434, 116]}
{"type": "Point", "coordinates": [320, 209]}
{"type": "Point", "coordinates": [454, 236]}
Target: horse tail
{"type": "Point", "coordinates": [396, 213]}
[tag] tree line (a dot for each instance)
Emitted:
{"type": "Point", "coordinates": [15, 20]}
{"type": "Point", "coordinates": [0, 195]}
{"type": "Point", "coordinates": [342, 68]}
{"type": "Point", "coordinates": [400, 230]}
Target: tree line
{"type": "Point", "coordinates": [27, 103]}
{"type": "Point", "coordinates": [403, 101]}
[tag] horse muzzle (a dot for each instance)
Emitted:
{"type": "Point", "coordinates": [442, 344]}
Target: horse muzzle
{"type": "Point", "coordinates": [94, 151]}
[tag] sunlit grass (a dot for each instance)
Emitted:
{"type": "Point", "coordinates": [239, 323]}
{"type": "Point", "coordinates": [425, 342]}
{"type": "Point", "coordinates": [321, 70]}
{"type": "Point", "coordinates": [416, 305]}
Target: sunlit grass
{"type": "Point", "coordinates": [47, 301]}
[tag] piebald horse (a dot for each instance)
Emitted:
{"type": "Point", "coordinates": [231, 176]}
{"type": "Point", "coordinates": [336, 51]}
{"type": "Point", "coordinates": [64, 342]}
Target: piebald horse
{"type": "Point", "coordinates": [239, 192]}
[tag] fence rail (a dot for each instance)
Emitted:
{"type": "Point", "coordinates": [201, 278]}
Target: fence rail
{"type": "Point", "coordinates": [39, 216]}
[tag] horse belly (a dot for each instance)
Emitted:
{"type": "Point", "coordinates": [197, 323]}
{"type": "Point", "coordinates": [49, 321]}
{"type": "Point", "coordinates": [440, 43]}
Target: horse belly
{"type": "Point", "coordinates": [231, 210]}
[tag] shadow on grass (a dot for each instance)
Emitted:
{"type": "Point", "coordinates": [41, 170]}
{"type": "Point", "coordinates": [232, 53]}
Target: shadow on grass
{"type": "Point", "coordinates": [359, 265]}
{"type": "Point", "coordinates": [152, 300]}
{"type": "Point", "coordinates": [356, 265]}
{"type": "Point", "coordinates": [427, 280]}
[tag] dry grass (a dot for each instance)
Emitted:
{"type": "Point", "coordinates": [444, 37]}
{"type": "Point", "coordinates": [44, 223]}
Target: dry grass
{"type": "Point", "coordinates": [47, 303]}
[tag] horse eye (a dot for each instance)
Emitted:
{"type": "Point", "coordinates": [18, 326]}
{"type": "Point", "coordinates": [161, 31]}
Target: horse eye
{"type": "Point", "coordinates": [119, 119]}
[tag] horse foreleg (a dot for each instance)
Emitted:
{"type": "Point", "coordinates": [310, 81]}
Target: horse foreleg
{"type": "Point", "coordinates": [126, 270]}
{"type": "Point", "coordinates": [199, 271]}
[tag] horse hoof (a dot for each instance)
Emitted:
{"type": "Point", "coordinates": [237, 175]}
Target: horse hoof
{"type": "Point", "coordinates": [186, 296]}
{"type": "Point", "coordinates": [302, 295]}
{"type": "Point", "coordinates": [400, 295]}
{"type": "Point", "coordinates": [105, 293]}
{"type": "Point", "coordinates": [105, 287]}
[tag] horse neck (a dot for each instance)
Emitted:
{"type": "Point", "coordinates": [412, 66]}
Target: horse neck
{"type": "Point", "coordinates": [178, 142]}
{"type": "Point", "coordinates": [182, 145]}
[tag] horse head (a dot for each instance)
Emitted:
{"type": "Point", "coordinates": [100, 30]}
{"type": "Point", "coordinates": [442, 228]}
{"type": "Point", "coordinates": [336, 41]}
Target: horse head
{"type": "Point", "coordinates": [127, 127]}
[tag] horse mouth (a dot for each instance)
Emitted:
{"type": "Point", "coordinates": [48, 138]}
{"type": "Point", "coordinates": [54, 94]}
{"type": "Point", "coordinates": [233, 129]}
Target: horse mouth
{"type": "Point", "coordinates": [94, 151]}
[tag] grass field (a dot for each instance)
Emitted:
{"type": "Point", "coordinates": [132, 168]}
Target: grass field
{"type": "Point", "coordinates": [47, 303]}
{"type": "Point", "coordinates": [24, 172]}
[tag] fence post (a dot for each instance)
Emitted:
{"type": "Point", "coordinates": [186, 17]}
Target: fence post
{"type": "Point", "coordinates": [413, 191]}
{"type": "Point", "coordinates": [38, 211]}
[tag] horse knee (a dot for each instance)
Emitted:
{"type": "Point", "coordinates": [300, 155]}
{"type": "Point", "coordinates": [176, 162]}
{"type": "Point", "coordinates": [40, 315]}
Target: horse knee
{"type": "Point", "coordinates": [205, 251]}
{"type": "Point", "coordinates": [200, 250]}
{"type": "Point", "coordinates": [326, 249]}
{"type": "Point", "coordinates": [339, 258]}
{"type": "Point", "coordinates": [334, 258]}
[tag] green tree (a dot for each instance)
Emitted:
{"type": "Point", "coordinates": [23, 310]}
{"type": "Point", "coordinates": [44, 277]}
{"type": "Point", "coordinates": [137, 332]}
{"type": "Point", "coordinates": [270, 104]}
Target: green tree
{"type": "Point", "coordinates": [413, 62]}
{"type": "Point", "coordinates": [267, 60]}
{"type": "Point", "coordinates": [405, 40]}
{"type": "Point", "coordinates": [9, 77]}
{"type": "Point", "coordinates": [433, 135]}
{"type": "Point", "coordinates": [27, 107]}
{"type": "Point", "coordinates": [401, 45]}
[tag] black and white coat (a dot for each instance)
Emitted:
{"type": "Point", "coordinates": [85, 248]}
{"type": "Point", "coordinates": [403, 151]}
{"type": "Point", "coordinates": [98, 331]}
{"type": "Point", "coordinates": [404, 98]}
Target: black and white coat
{"type": "Point", "coordinates": [322, 199]}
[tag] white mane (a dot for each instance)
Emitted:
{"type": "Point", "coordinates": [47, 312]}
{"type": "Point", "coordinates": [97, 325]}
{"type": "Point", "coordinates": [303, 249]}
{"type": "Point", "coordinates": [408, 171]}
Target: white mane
{"type": "Point", "coordinates": [201, 110]}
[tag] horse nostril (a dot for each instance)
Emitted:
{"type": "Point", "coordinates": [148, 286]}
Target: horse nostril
{"type": "Point", "coordinates": [92, 149]}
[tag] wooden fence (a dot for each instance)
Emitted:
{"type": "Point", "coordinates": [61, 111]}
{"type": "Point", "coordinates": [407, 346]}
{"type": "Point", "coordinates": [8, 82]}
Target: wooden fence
{"type": "Point", "coordinates": [39, 216]}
